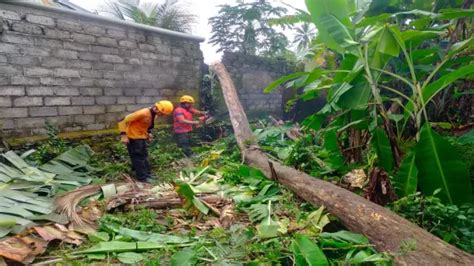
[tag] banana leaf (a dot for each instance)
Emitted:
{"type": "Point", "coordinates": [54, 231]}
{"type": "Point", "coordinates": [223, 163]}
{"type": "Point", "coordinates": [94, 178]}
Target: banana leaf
{"type": "Point", "coordinates": [185, 257]}
{"type": "Point", "coordinates": [440, 167]}
{"type": "Point", "coordinates": [306, 252]}
{"type": "Point", "coordinates": [346, 236]}
{"type": "Point", "coordinates": [383, 149]}
{"type": "Point", "coordinates": [120, 246]}
{"type": "Point", "coordinates": [406, 180]}
{"type": "Point", "coordinates": [26, 190]}
{"type": "Point", "coordinates": [332, 18]}
{"type": "Point", "coordinates": [152, 237]}
{"type": "Point", "coordinates": [130, 257]}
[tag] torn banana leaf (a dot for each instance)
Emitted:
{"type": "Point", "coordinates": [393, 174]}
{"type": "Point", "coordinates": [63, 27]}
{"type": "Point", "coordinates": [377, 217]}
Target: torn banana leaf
{"type": "Point", "coordinates": [26, 190]}
{"type": "Point", "coordinates": [120, 246]}
{"type": "Point", "coordinates": [152, 237]}
{"type": "Point", "coordinates": [21, 207]}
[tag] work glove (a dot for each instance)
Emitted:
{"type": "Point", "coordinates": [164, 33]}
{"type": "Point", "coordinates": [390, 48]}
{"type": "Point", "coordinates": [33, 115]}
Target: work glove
{"type": "Point", "coordinates": [124, 139]}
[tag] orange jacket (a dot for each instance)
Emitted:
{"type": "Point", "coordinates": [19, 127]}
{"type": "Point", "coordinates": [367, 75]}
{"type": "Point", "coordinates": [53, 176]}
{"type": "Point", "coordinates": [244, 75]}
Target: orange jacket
{"type": "Point", "coordinates": [181, 113]}
{"type": "Point", "coordinates": [138, 124]}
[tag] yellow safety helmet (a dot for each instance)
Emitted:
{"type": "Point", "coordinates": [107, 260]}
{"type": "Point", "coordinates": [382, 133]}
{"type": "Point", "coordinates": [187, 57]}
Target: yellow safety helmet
{"type": "Point", "coordinates": [164, 107]}
{"type": "Point", "coordinates": [186, 99]}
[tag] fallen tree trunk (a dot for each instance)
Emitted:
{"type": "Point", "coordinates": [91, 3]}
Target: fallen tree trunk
{"type": "Point", "coordinates": [385, 229]}
{"type": "Point", "coordinates": [165, 203]}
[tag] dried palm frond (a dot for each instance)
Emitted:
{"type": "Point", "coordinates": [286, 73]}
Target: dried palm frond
{"type": "Point", "coordinates": [68, 204]}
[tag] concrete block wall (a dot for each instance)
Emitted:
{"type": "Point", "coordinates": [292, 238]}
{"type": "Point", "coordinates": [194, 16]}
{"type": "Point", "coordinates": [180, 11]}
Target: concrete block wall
{"type": "Point", "coordinates": [85, 73]}
{"type": "Point", "coordinates": [251, 74]}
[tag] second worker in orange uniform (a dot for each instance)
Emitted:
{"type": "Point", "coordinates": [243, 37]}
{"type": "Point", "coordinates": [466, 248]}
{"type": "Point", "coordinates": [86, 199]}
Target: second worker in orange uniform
{"type": "Point", "coordinates": [135, 130]}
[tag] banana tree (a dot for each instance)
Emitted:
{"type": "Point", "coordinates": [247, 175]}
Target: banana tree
{"type": "Point", "coordinates": [368, 48]}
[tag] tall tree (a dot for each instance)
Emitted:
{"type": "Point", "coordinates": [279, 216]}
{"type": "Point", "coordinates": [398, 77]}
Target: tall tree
{"type": "Point", "coordinates": [244, 28]}
{"type": "Point", "coordinates": [168, 15]}
{"type": "Point", "coordinates": [304, 35]}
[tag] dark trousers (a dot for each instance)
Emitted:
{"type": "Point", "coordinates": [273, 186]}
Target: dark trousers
{"type": "Point", "coordinates": [184, 143]}
{"type": "Point", "coordinates": [137, 149]}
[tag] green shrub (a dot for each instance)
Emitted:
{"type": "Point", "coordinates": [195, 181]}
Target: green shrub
{"type": "Point", "coordinates": [454, 224]}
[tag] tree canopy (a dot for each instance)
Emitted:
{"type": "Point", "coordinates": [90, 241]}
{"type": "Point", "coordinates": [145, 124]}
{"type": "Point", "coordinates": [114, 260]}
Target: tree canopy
{"type": "Point", "coordinates": [245, 28]}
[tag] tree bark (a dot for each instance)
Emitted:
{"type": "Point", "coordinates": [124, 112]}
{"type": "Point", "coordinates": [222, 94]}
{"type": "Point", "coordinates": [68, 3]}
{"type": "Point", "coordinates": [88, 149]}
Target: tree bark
{"type": "Point", "coordinates": [385, 229]}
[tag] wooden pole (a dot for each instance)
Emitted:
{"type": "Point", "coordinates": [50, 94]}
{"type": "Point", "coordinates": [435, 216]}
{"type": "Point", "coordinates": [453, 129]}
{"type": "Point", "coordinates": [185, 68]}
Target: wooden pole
{"type": "Point", "coordinates": [385, 229]}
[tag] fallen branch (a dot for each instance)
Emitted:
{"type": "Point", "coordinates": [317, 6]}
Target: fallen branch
{"type": "Point", "coordinates": [165, 203]}
{"type": "Point", "coordinates": [385, 229]}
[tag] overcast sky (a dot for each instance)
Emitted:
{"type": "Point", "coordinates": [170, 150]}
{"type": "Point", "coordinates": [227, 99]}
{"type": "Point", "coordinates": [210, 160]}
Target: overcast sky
{"type": "Point", "coordinates": [204, 9]}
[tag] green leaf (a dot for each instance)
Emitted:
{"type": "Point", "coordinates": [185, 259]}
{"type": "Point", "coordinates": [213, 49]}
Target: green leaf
{"type": "Point", "coordinates": [258, 212]}
{"type": "Point", "coordinates": [17, 210]}
{"type": "Point", "coordinates": [332, 18]}
{"type": "Point", "coordinates": [306, 252]}
{"type": "Point", "coordinates": [330, 144]}
{"type": "Point", "coordinates": [338, 33]}
{"type": "Point", "coordinates": [120, 246]}
{"type": "Point", "coordinates": [96, 256]}
{"type": "Point", "coordinates": [439, 167]}
{"type": "Point", "coordinates": [130, 257]}
{"type": "Point", "coordinates": [387, 43]}
{"type": "Point", "coordinates": [282, 80]}
{"type": "Point", "coordinates": [435, 87]}
{"type": "Point", "coordinates": [467, 138]}
{"type": "Point", "coordinates": [374, 20]}
{"type": "Point", "coordinates": [314, 121]}
{"type": "Point", "coordinates": [152, 237]}
{"type": "Point", "coordinates": [185, 191]}
{"type": "Point", "coordinates": [283, 153]}
{"type": "Point", "coordinates": [360, 257]}
{"type": "Point", "coordinates": [432, 89]}
{"type": "Point", "coordinates": [346, 236]}
{"type": "Point", "coordinates": [406, 180]}
{"type": "Point", "coordinates": [268, 229]}
{"type": "Point", "coordinates": [98, 237]}
{"type": "Point", "coordinates": [376, 258]}
{"type": "Point", "coordinates": [112, 246]}
{"type": "Point", "coordinates": [413, 38]}
{"type": "Point", "coordinates": [200, 206]}
{"type": "Point", "coordinates": [247, 171]}
{"type": "Point", "coordinates": [335, 94]}
{"type": "Point", "coordinates": [383, 149]}
{"type": "Point", "coordinates": [461, 46]}
{"type": "Point", "coordinates": [455, 13]}
{"type": "Point", "coordinates": [185, 257]}
{"type": "Point", "coordinates": [7, 221]}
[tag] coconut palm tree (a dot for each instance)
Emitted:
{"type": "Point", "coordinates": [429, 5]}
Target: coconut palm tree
{"type": "Point", "coordinates": [304, 35]}
{"type": "Point", "coordinates": [168, 15]}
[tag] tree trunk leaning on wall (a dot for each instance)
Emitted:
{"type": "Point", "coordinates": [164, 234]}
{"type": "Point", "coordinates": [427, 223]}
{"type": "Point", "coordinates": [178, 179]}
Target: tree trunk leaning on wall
{"type": "Point", "coordinates": [385, 229]}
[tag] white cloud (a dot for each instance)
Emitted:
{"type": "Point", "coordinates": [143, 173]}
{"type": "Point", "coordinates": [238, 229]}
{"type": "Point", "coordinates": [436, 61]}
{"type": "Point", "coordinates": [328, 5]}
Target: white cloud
{"type": "Point", "coordinates": [204, 9]}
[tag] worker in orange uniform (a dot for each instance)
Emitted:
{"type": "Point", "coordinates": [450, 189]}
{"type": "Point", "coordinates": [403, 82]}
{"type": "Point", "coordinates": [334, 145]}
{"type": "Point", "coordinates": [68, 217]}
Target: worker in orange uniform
{"type": "Point", "coordinates": [183, 122]}
{"type": "Point", "coordinates": [135, 130]}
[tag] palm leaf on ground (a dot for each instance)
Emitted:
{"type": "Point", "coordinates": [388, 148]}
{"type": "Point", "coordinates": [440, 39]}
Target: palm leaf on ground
{"type": "Point", "coordinates": [26, 191]}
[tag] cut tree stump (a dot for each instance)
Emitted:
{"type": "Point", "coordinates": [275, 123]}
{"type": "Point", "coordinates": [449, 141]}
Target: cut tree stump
{"type": "Point", "coordinates": [385, 229]}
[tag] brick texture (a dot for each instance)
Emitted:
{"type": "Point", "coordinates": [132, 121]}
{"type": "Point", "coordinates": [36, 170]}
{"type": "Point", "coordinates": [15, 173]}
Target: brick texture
{"type": "Point", "coordinates": [83, 74]}
{"type": "Point", "coordinates": [251, 74]}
